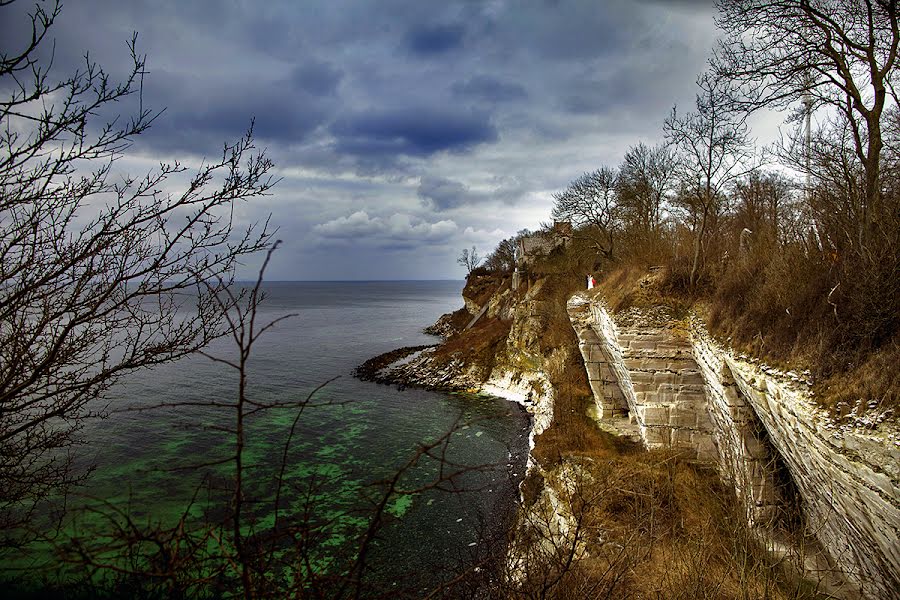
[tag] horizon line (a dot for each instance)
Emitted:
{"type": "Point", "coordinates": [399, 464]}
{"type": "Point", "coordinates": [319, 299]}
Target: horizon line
{"type": "Point", "coordinates": [344, 280]}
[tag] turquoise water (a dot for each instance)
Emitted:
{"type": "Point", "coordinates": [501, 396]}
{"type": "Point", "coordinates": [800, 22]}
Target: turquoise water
{"type": "Point", "coordinates": [147, 462]}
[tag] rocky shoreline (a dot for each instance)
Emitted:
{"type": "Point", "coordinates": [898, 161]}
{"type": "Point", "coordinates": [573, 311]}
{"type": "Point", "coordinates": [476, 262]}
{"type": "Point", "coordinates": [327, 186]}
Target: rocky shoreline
{"type": "Point", "coordinates": [414, 366]}
{"type": "Point", "coordinates": [426, 367]}
{"type": "Point", "coordinates": [374, 368]}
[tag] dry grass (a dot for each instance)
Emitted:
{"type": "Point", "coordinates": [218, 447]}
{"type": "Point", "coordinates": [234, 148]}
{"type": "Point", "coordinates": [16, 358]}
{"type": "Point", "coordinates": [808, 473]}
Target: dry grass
{"type": "Point", "coordinates": [870, 387]}
{"type": "Point", "coordinates": [478, 346]}
{"type": "Point", "coordinates": [652, 525]}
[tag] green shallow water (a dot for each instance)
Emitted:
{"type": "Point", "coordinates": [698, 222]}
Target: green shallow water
{"type": "Point", "coordinates": [362, 435]}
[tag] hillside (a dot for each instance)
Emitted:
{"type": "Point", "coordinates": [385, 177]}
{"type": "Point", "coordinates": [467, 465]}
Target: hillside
{"type": "Point", "coordinates": [700, 494]}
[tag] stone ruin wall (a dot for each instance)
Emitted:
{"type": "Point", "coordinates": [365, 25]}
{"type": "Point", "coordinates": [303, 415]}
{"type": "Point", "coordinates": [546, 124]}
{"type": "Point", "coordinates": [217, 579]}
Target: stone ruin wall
{"type": "Point", "coordinates": [848, 479]}
{"type": "Point", "coordinates": [692, 393]}
{"type": "Point", "coordinates": [659, 381]}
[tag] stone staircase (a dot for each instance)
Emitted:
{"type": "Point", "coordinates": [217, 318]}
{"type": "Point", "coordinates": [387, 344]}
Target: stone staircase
{"type": "Point", "coordinates": [647, 375]}
{"type": "Point", "coordinates": [674, 385]}
{"type": "Point", "coordinates": [669, 391]}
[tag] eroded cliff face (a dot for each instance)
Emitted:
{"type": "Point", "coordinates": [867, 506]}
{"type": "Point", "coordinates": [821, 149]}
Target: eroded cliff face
{"type": "Point", "coordinates": [684, 390]}
{"type": "Point", "coordinates": [659, 377]}
{"type": "Point", "coordinates": [498, 354]}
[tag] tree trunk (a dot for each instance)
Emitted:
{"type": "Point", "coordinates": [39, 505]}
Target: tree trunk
{"type": "Point", "coordinates": [698, 247]}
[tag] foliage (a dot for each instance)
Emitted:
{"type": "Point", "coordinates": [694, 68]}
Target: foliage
{"type": "Point", "coordinates": [838, 54]}
{"type": "Point", "coordinates": [644, 186]}
{"type": "Point", "coordinates": [797, 262]}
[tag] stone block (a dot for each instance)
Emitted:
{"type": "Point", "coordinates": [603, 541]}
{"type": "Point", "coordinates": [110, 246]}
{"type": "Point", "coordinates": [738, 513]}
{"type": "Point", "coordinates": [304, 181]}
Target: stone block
{"type": "Point", "coordinates": [682, 437]}
{"type": "Point", "coordinates": [593, 371]}
{"type": "Point", "coordinates": [677, 347]}
{"type": "Point", "coordinates": [668, 388]}
{"type": "Point", "coordinates": [693, 388]}
{"type": "Point", "coordinates": [651, 364]}
{"type": "Point", "coordinates": [679, 417]}
{"type": "Point", "coordinates": [654, 415]}
{"type": "Point", "coordinates": [706, 447]}
{"type": "Point", "coordinates": [633, 363]}
{"type": "Point", "coordinates": [611, 388]}
{"type": "Point", "coordinates": [653, 336]}
{"type": "Point", "coordinates": [593, 353]}
{"type": "Point", "coordinates": [641, 376]}
{"type": "Point", "coordinates": [692, 378]}
{"type": "Point", "coordinates": [733, 399]}
{"type": "Point", "coordinates": [665, 394]}
{"type": "Point", "coordinates": [690, 397]}
{"type": "Point", "coordinates": [640, 344]}
{"type": "Point", "coordinates": [661, 377]}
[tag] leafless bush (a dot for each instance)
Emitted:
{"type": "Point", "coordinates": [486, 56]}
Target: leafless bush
{"type": "Point", "coordinates": [96, 264]}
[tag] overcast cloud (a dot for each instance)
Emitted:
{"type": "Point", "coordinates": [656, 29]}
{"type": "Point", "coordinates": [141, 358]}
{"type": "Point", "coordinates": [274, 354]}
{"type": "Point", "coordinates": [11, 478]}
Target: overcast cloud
{"type": "Point", "coordinates": [403, 131]}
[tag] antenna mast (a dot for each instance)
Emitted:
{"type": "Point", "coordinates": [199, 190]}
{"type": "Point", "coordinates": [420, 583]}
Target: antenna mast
{"type": "Point", "coordinates": [807, 150]}
{"type": "Point", "coordinates": [807, 109]}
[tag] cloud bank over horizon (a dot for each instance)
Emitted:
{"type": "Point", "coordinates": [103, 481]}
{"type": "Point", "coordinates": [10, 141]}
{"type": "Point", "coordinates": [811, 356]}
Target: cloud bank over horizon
{"type": "Point", "coordinates": [402, 131]}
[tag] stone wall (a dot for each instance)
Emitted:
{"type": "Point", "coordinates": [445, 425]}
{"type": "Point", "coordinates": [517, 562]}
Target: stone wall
{"type": "Point", "coordinates": [848, 478]}
{"type": "Point", "coordinates": [746, 460]}
{"type": "Point", "coordinates": [607, 391]}
{"type": "Point", "coordinates": [688, 391]}
{"type": "Point", "coordinates": [656, 375]}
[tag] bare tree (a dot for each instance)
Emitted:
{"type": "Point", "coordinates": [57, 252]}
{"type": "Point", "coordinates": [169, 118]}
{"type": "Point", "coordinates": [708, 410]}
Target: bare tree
{"type": "Point", "coordinates": [590, 202]}
{"type": "Point", "coordinates": [764, 205]}
{"type": "Point", "coordinates": [469, 259]}
{"type": "Point", "coordinates": [840, 54]}
{"type": "Point", "coordinates": [101, 273]}
{"type": "Point", "coordinates": [503, 258]}
{"type": "Point", "coordinates": [712, 146]}
{"type": "Point", "coordinates": [644, 185]}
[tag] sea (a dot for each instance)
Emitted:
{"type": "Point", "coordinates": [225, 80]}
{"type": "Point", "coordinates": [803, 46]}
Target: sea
{"type": "Point", "coordinates": [156, 454]}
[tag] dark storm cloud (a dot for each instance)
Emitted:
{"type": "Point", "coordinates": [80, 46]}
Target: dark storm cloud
{"type": "Point", "coordinates": [198, 120]}
{"type": "Point", "coordinates": [412, 132]}
{"type": "Point", "coordinates": [316, 78]}
{"type": "Point", "coordinates": [386, 117]}
{"type": "Point", "coordinates": [442, 193]}
{"type": "Point", "coordinates": [428, 40]}
{"type": "Point", "coordinates": [489, 89]}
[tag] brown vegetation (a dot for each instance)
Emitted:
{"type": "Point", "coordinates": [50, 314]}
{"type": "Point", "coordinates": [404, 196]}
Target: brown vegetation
{"type": "Point", "coordinates": [481, 285]}
{"type": "Point", "coordinates": [476, 347]}
{"type": "Point", "coordinates": [644, 525]}
{"type": "Point", "coordinates": [640, 524]}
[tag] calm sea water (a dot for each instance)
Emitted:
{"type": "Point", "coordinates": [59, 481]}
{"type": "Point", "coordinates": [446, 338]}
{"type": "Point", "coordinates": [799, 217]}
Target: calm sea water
{"type": "Point", "coordinates": [358, 433]}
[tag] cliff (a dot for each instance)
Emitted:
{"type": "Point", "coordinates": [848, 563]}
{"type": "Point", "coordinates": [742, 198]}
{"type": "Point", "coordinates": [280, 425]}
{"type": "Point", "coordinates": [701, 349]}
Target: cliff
{"type": "Point", "coordinates": [781, 453]}
{"type": "Point", "coordinates": [662, 462]}
{"type": "Point", "coordinates": [499, 354]}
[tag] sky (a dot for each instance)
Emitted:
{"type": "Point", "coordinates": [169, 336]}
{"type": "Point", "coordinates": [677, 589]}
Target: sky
{"type": "Point", "coordinates": [402, 131]}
